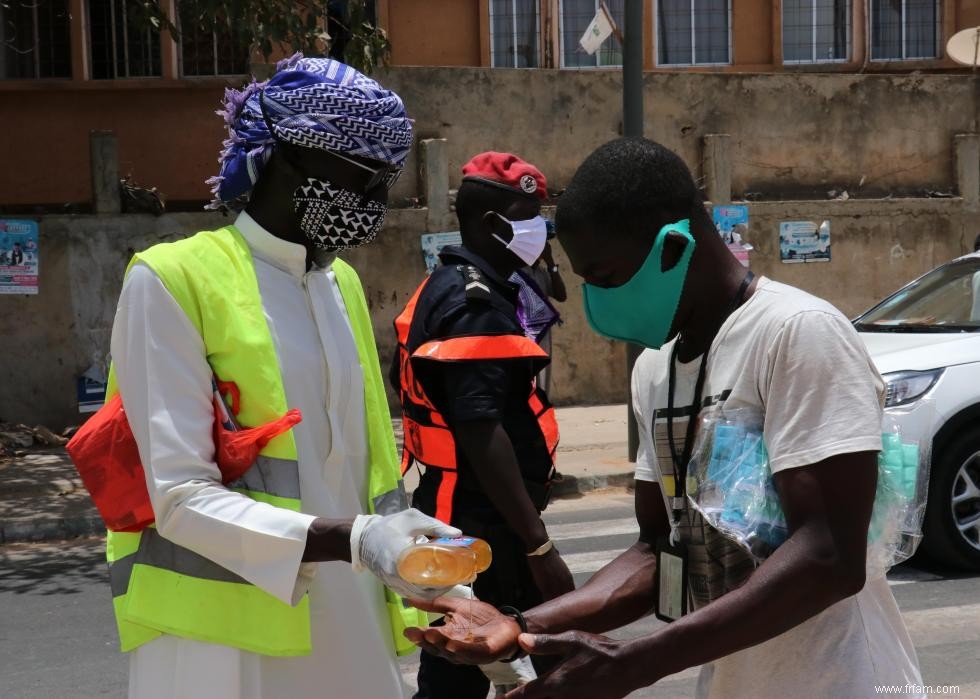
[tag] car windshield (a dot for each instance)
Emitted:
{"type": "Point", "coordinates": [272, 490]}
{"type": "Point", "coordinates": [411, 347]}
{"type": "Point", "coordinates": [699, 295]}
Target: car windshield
{"type": "Point", "coordinates": [945, 300]}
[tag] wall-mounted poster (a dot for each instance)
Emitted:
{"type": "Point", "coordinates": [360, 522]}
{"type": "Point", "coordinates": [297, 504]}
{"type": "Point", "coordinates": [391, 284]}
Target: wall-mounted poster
{"type": "Point", "coordinates": [732, 223]}
{"type": "Point", "coordinates": [432, 243]}
{"type": "Point", "coordinates": [804, 241]}
{"type": "Point", "coordinates": [19, 250]}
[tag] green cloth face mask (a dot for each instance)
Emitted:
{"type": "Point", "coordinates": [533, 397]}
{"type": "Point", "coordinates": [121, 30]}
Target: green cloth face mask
{"type": "Point", "coordinates": [642, 310]}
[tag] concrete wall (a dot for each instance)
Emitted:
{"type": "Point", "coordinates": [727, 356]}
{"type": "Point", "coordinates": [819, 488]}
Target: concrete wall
{"type": "Point", "coordinates": [49, 339]}
{"type": "Point", "coordinates": [793, 134]}
{"type": "Point", "coordinates": [876, 246]}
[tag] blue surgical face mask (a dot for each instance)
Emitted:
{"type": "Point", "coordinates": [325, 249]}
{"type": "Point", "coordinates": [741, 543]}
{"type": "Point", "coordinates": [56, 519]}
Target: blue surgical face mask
{"type": "Point", "coordinates": [642, 310]}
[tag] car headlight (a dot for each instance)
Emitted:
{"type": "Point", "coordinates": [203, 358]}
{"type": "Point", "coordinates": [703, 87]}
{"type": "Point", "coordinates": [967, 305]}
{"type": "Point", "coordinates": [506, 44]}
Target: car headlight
{"type": "Point", "coordinates": [905, 387]}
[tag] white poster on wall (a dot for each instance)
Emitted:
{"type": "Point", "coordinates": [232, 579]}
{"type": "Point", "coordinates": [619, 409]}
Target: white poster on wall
{"type": "Point", "coordinates": [804, 241]}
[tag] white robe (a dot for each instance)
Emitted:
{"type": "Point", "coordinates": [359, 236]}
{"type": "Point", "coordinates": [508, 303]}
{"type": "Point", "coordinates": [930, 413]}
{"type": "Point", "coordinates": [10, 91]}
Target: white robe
{"type": "Point", "coordinates": [165, 384]}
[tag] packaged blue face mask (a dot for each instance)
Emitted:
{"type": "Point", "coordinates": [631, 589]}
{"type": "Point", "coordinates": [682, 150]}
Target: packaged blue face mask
{"type": "Point", "coordinates": [730, 484]}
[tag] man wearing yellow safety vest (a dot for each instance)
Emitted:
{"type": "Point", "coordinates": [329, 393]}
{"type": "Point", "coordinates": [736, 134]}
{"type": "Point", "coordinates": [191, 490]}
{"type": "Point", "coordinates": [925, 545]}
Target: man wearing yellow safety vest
{"type": "Point", "coordinates": [223, 598]}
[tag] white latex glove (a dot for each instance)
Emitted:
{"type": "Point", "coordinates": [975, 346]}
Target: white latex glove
{"type": "Point", "coordinates": [509, 676]}
{"type": "Point", "coordinates": [376, 541]}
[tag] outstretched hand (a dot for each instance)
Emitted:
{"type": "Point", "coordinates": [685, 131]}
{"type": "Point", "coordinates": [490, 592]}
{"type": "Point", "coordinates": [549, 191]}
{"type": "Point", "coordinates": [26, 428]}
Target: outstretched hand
{"type": "Point", "coordinates": [593, 667]}
{"type": "Point", "coordinates": [474, 632]}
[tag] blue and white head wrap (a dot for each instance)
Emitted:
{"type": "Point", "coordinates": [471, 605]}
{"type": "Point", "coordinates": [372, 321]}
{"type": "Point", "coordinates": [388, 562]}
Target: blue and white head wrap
{"type": "Point", "coordinates": [312, 102]}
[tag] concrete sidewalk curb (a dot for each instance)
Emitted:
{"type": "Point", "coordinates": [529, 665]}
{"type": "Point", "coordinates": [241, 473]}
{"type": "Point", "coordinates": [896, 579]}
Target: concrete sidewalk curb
{"type": "Point", "coordinates": [570, 486]}
{"type": "Point", "coordinates": [91, 525]}
{"type": "Point", "coordinates": [51, 530]}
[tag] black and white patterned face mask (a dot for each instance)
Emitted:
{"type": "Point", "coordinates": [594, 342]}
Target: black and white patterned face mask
{"type": "Point", "coordinates": [335, 218]}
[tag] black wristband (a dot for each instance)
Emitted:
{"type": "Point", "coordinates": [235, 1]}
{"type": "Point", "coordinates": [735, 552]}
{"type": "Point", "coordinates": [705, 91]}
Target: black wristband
{"type": "Point", "coordinates": [516, 615]}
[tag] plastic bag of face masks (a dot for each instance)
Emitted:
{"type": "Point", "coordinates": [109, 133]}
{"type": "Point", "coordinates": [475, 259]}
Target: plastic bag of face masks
{"type": "Point", "coordinates": [903, 482]}
{"type": "Point", "coordinates": [730, 484]}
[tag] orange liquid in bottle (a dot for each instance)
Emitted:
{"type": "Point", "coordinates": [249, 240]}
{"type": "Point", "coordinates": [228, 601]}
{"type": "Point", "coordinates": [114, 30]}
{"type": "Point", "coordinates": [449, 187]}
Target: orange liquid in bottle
{"type": "Point", "coordinates": [444, 562]}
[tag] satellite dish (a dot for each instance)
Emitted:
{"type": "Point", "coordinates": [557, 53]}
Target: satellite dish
{"type": "Point", "coordinates": [964, 47]}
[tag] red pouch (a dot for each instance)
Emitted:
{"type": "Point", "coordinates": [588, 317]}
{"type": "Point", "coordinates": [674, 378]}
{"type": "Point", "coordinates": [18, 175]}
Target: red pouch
{"type": "Point", "coordinates": [107, 459]}
{"type": "Point", "coordinates": [105, 454]}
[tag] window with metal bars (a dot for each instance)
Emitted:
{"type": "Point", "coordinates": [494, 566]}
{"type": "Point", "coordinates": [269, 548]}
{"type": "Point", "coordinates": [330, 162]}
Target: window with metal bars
{"type": "Point", "coordinates": [121, 47]}
{"type": "Point", "coordinates": [514, 33]}
{"type": "Point", "coordinates": [34, 39]}
{"type": "Point", "coordinates": [904, 29]}
{"type": "Point", "coordinates": [816, 31]}
{"type": "Point", "coordinates": [693, 32]}
{"type": "Point", "coordinates": [574, 18]}
{"type": "Point", "coordinates": [222, 51]}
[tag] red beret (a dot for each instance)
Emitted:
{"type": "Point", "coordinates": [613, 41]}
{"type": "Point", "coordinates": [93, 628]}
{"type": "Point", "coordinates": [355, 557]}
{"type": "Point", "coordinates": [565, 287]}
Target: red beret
{"type": "Point", "coordinates": [508, 170]}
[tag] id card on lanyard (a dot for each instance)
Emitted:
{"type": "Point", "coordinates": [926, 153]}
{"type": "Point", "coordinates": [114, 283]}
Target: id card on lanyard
{"type": "Point", "coordinates": [671, 577]}
{"type": "Point", "coordinates": [670, 581]}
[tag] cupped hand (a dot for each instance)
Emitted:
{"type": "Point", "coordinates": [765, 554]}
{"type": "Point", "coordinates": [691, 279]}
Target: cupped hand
{"type": "Point", "coordinates": [474, 632]}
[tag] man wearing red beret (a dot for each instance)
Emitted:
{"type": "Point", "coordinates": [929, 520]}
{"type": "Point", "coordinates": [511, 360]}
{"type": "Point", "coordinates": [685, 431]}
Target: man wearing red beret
{"type": "Point", "coordinates": [483, 435]}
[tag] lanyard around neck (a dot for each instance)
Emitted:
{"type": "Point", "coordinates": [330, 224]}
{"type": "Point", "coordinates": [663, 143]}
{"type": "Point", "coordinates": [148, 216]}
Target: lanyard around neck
{"type": "Point", "coordinates": [680, 464]}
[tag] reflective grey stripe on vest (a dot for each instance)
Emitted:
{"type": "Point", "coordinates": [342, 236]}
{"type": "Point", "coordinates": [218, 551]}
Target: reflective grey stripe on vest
{"type": "Point", "coordinates": [279, 477]}
{"type": "Point", "coordinates": [158, 552]}
{"type": "Point", "coordinates": [391, 502]}
{"type": "Point", "coordinates": [120, 571]}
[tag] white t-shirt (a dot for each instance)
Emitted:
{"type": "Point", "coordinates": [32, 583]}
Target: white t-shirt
{"type": "Point", "coordinates": [798, 360]}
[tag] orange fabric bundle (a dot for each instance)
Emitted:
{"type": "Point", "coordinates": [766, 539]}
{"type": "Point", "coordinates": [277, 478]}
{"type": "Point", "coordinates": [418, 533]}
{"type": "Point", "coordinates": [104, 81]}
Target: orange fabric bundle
{"type": "Point", "coordinates": [107, 459]}
{"type": "Point", "coordinates": [236, 451]}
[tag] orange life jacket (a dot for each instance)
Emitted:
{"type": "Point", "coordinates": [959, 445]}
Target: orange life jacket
{"type": "Point", "coordinates": [428, 440]}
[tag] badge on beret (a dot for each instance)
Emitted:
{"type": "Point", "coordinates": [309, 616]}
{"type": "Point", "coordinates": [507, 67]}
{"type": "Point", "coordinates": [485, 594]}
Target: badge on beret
{"type": "Point", "coordinates": [528, 184]}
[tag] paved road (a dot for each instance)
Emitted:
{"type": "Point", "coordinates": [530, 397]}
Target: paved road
{"type": "Point", "coordinates": [57, 638]}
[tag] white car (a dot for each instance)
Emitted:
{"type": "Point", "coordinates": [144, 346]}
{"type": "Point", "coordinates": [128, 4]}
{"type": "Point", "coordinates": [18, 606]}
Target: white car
{"type": "Point", "coordinates": [925, 341]}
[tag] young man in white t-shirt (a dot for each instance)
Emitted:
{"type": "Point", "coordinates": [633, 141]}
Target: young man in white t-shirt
{"type": "Point", "coordinates": [807, 622]}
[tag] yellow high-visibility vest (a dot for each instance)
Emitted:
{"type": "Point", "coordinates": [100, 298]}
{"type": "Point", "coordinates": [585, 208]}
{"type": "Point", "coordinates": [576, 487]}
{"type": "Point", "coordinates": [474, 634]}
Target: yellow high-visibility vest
{"type": "Point", "coordinates": [159, 587]}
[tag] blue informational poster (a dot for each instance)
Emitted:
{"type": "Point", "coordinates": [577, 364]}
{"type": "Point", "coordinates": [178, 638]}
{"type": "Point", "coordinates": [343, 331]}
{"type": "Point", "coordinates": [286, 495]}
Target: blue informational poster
{"type": "Point", "coordinates": [732, 223]}
{"type": "Point", "coordinates": [804, 241]}
{"type": "Point", "coordinates": [432, 243]}
{"type": "Point", "coordinates": [19, 249]}
{"type": "Point", "coordinates": [731, 220]}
